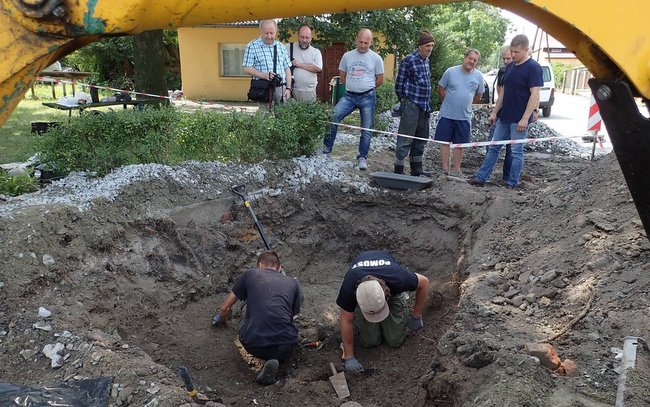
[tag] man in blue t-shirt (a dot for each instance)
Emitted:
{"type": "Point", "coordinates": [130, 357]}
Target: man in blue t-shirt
{"type": "Point", "coordinates": [373, 301]}
{"type": "Point", "coordinates": [522, 81]}
{"type": "Point", "coordinates": [459, 87]}
{"type": "Point", "coordinates": [266, 329]}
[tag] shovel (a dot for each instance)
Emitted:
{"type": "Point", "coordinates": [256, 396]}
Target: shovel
{"type": "Point", "coordinates": [239, 190]}
{"type": "Point", "coordinates": [339, 383]}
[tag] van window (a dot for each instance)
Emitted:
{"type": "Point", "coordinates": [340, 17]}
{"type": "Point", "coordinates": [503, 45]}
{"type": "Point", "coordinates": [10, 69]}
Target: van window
{"type": "Point", "coordinates": [546, 73]}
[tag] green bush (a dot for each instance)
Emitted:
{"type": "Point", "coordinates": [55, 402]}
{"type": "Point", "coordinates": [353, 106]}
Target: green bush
{"type": "Point", "coordinates": [559, 71]}
{"type": "Point", "coordinates": [98, 143]}
{"type": "Point", "coordinates": [298, 128]}
{"type": "Point", "coordinates": [101, 142]}
{"type": "Point", "coordinates": [386, 96]}
{"type": "Point", "coordinates": [14, 186]}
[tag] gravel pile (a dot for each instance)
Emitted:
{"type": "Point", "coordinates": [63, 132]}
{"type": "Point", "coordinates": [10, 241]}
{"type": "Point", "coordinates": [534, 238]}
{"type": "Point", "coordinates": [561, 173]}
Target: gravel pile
{"type": "Point", "coordinates": [80, 190]}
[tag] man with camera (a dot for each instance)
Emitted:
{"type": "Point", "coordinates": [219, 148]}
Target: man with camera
{"type": "Point", "coordinates": [266, 60]}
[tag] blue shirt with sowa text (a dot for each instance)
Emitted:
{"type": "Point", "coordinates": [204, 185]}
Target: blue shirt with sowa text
{"type": "Point", "coordinates": [381, 265]}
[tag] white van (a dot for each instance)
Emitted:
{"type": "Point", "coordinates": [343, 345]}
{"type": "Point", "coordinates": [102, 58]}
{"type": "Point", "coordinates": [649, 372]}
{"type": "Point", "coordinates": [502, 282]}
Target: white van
{"type": "Point", "coordinates": [547, 92]}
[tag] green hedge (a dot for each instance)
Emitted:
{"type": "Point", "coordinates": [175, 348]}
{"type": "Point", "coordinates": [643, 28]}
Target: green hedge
{"type": "Point", "coordinates": [100, 142]}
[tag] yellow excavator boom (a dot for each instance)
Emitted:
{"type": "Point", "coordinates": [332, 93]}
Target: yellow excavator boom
{"type": "Point", "coordinates": [610, 38]}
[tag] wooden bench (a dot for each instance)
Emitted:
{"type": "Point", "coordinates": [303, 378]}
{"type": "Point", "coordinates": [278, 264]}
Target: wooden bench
{"type": "Point", "coordinates": [53, 76]}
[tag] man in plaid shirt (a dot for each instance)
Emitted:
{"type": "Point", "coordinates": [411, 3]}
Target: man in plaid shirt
{"type": "Point", "coordinates": [258, 60]}
{"type": "Point", "coordinates": [413, 89]}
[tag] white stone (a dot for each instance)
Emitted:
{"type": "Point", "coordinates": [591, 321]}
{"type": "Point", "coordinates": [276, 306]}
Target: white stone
{"type": "Point", "coordinates": [48, 260]}
{"type": "Point", "coordinates": [51, 350]}
{"type": "Point", "coordinates": [44, 312]}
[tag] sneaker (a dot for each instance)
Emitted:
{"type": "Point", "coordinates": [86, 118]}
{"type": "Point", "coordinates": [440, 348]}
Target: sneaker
{"type": "Point", "coordinates": [475, 182]}
{"type": "Point", "coordinates": [324, 150]}
{"type": "Point", "coordinates": [363, 165]}
{"type": "Point", "coordinates": [457, 174]}
{"type": "Point", "coordinates": [266, 376]}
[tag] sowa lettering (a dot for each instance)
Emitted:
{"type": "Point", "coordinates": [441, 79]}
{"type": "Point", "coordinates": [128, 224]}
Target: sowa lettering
{"type": "Point", "coordinates": [372, 263]}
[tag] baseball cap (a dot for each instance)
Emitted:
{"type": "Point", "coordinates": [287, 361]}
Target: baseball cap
{"type": "Point", "coordinates": [372, 301]}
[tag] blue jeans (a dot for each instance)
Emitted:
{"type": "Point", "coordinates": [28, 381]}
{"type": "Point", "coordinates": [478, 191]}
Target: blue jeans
{"type": "Point", "coordinates": [507, 163]}
{"type": "Point", "coordinates": [504, 131]}
{"type": "Point", "coordinates": [366, 104]}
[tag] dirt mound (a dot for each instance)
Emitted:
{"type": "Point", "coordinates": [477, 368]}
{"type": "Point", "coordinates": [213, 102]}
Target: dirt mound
{"type": "Point", "coordinates": [133, 275]}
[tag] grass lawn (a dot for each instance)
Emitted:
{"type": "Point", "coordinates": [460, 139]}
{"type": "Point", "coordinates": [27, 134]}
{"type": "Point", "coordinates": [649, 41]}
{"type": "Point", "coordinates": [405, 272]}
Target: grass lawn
{"type": "Point", "coordinates": [16, 138]}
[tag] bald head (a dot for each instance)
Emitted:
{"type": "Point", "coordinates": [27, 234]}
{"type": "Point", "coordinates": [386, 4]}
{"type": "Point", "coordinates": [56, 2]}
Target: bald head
{"type": "Point", "coordinates": [304, 37]}
{"type": "Point", "coordinates": [268, 31]}
{"type": "Point", "coordinates": [364, 40]}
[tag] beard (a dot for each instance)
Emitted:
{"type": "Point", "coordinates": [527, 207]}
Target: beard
{"type": "Point", "coordinates": [301, 46]}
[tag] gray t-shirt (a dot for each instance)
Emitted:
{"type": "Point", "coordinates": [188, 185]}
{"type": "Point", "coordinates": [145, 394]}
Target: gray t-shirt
{"type": "Point", "coordinates": [460, 88]}
{"type": "Point", "coordinates": [360, 70]}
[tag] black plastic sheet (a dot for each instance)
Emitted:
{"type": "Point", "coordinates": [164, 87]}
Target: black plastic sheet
{"type": "Point", "coordinates": [78, 393]}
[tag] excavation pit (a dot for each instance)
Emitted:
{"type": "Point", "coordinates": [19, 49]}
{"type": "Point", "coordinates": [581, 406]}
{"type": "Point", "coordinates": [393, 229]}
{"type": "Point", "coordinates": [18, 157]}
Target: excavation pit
{"type": "Point", "coordinates": [316, 232]}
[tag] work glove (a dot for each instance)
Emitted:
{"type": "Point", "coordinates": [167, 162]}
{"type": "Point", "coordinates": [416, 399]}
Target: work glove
{"type": "Point", "coordinates": [352, 365]}
{"type": "Point", "coordinates": [216, 320]}
{"type": "Point", "coordinates": [415, 324]}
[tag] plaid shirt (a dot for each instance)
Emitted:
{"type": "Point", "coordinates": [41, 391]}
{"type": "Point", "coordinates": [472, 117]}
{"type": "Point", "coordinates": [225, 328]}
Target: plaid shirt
{"type": "Point", "coordinates": [260, 56]}
{"type": "Point", "coordinates": [414, 81]}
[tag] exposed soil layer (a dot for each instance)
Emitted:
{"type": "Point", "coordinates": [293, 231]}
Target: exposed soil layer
{"type": "Point", "coordinates": [135, 280]}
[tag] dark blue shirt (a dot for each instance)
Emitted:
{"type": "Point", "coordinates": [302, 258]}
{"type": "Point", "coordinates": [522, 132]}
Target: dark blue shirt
{"type": "Point", "coordinates": [272, 299]}
{"type": "Point", "coordinates": [517, 81]}
{"type": "Point", "coordinates": [414, 81]}
{"type": "Point", "coordinates": [381, 265]}
{"type": "Point", "coordinates": [502, 70]}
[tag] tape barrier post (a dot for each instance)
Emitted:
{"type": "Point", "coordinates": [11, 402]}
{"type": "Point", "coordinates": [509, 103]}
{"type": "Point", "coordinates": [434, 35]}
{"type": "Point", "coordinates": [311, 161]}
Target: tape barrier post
{"type": "Point", "coordinates": [594, 123]}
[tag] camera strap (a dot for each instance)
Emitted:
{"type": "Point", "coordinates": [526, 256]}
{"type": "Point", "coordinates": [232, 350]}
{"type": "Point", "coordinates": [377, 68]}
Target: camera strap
{"type": "Point", "coordinates": [271, 87]}
{"type": "Point", "coordinates": [275, 58]}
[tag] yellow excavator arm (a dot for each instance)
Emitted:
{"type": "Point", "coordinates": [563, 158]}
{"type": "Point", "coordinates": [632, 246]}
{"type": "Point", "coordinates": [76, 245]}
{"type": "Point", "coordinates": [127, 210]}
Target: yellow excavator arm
{"type": "Point", "coordinates": [610, 38]}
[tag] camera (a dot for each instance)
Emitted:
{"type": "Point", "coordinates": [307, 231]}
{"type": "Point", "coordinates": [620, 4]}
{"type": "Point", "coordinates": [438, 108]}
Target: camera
{"type": "Point", "coordinates": [276, 81]}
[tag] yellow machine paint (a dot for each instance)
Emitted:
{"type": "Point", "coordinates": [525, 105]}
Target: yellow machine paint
{"type": "Point", "coordinates": [610, 38]}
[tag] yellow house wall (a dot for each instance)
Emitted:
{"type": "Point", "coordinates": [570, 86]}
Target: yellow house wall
{"type": "Point", "coordinates": [200, 62]}
{"type": "Point", "coordinates": [199, 49]}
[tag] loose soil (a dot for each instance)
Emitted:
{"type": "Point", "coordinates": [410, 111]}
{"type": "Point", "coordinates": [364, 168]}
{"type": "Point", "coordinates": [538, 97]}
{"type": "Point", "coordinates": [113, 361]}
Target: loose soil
{"type": "Point", "coordinates": [136, 279]}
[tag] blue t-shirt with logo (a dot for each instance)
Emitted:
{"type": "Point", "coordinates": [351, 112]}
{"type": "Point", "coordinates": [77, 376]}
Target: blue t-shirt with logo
{"type": "Point", "coordinates": [381, 265]}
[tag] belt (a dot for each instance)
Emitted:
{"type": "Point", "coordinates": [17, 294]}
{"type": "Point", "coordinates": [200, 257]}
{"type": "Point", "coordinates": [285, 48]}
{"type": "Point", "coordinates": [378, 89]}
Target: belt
{"type": "Point", "coordinates": [359, 93]}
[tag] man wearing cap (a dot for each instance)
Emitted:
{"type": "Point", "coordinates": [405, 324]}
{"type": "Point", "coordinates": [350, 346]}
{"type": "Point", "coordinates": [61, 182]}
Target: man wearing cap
{"type": "Point", "coordinates": [373, 301]}
{"type": "Point", "coordinates": [413, 90]}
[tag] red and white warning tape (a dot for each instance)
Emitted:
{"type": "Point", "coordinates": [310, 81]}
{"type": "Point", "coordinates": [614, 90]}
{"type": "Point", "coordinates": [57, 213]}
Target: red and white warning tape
{"type": "Point", "coordinates": [40, 78]}
{"type": "Point", "coordinates": [461, 145]}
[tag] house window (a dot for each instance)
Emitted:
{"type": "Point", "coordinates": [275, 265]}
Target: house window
{"type": "Point", "coordinates": [232, 56]}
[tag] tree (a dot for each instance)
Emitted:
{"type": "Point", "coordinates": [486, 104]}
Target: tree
{"type": "Point", "coordinates": [471, 25]}
{"type": "Point", "coordinates": [395, 30]}
{"type": "Point", "coordinates": [149, 62]}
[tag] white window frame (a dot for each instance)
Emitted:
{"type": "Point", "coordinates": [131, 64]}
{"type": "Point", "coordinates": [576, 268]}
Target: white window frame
{"type": "Point", "coordinates": [234, 65]}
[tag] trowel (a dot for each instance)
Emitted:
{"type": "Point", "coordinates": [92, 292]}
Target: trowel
{"type": "Point", "coordinates": [339, 383]}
